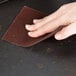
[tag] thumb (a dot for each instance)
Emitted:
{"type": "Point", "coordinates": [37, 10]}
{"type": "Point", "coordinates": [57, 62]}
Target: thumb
{"type": "Point", "coordinates": [66, 32]}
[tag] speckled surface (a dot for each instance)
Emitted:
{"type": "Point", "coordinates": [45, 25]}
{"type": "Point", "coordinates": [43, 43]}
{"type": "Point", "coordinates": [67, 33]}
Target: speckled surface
{"type": "Point", "coordinates": [48, 58]}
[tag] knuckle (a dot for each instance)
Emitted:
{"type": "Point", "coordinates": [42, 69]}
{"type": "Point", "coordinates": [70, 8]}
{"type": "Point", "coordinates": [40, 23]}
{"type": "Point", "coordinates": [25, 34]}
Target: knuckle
{"type": "Point", "coordinates": [63, 19]}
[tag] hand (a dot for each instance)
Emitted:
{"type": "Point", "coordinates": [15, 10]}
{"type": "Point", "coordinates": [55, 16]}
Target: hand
{"type": "Point", "coordinates": [65, 15]}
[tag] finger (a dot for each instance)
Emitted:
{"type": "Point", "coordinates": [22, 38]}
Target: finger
{"type": "Point", "coordinates": [46, 19]}
{"type": "Point", "coordinates": [52, 16]}
{"type": "Point", "coordinates": [66, 32]}
{"type": "Point", "coordinates": [36, 20]}
{"type": "Point", "coordinates": [48, 27]}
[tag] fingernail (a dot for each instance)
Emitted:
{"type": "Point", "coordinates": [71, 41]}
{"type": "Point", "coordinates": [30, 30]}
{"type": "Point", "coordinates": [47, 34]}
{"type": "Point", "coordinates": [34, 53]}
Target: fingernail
{"type": "Point", "coordinates": [29, 33]}
{"type": "Point", "coordinates": [35, 20]}
{"type": "Point", "coordinates": [27, 26]}
{"type": "Point", "coordinates": [58, 37]}
{"type": "Point", "coordinates": [32, 34]}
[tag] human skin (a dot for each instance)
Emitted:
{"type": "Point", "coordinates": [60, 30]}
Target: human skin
{"type": "Point", "coordinates": [64, 16]}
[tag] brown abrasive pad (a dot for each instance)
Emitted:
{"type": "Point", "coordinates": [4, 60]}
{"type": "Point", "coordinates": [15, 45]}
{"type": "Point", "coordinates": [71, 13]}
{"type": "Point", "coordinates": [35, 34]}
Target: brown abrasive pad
{"type": "Point", "coordinates": [17, 34]}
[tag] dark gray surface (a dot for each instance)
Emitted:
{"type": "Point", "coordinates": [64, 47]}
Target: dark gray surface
{"type": "Point", "coordinates": [3, 1]}
{"type": "Point", "coordinates": [35, 60]}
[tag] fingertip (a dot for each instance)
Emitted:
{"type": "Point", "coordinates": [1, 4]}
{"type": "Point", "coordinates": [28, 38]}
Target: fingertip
{"type": "Point", "coordinates": [31, 34]}
{"type": "Point", "coordinates": [58, 37]}
{"type": "Point", "coordinates": [27, 26]}
{"type": "Point", "coordinates": [35, 20]}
